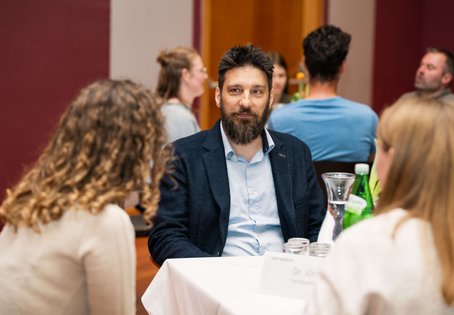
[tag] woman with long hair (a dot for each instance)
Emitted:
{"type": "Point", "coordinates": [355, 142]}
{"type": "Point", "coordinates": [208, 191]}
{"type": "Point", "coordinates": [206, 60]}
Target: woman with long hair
{"type": "Point", "coordinates": [181, 79]}
{"type": "Point", "coordinates": [402, 260]}
{"type": "Point", "coordinates": [280, 80]}
{"type": "Point", "coordinates": [67, 246]}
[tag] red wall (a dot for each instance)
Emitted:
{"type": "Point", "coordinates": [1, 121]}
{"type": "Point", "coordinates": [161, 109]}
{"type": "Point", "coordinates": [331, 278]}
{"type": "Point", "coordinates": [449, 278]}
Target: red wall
{"type": "Point", "coordinates": [50, 50]}
{"type": "Point", "coordinates": [404, 29]}
{"type": "Point", "coordinates": [398, 47]}
{"type": "Point", "coordinates": [438, 24]}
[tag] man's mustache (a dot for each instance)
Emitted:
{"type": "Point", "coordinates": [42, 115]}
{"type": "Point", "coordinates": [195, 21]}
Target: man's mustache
{"type": "Point", "coordinates": [245, 111]}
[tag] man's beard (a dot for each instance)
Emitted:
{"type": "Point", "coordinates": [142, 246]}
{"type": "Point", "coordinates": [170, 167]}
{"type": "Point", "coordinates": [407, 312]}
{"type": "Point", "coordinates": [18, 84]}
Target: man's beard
{"type": "Point", "coordinates": [244, 131]}
{"type": "Point", "coordinates": [424, 86]}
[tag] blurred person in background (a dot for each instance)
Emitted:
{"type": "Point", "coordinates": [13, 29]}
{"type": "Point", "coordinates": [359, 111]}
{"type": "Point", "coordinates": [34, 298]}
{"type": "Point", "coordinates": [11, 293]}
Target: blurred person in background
{"type": "Point", "coordinates": [334, 128]}
{"type": "Point", "coordinates": [181, 79]}
{"type": "Point", "coordinates": [402, 260]}
{"type": "Point", "coordinates": [434, 75]}
{"type": "Point", "coordinates": [68, 246]}
{"type": "Point", "coordinates": [280, 79]}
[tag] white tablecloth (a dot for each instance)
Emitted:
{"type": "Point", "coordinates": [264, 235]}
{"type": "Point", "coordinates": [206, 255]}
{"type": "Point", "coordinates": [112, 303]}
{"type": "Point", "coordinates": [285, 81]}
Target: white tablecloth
{"type": "Point", "coordinates": [225, 286]}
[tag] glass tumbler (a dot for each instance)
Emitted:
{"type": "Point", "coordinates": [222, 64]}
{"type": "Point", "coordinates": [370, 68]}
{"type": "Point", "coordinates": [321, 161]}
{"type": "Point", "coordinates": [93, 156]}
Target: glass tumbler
{"type": "Point", "coordinates": [296, 248]}
{"type": "Point", "coordinates": [319, 249]}
{"type": "Point", "coordinates": [303, 242]}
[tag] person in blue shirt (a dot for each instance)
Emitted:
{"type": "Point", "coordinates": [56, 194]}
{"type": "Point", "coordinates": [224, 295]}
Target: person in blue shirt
{"type": "Point", "coordinates": [237, 189]}
{"type": "Point", "coordinates": [334, 128]}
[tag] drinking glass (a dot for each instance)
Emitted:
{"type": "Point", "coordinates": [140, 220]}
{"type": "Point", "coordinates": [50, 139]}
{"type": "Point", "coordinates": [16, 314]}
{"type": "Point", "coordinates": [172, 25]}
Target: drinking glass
{"type": "Point", "coordinates": [299, 242]}
{"type": "Point", "coordinates": [319, 249]}
{"type": "Point", "coordinates": [296, 248]}
{"type": "Point", "coordinates": [338, 187]}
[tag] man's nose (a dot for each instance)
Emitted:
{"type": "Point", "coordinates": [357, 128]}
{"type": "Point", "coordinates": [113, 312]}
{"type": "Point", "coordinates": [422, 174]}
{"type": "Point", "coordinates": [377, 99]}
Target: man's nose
{"type": "Point", "coordinates": [246, 100]}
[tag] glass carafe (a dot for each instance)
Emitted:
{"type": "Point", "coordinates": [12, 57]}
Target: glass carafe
{"type": "Point", "coordinates": [338, 187]}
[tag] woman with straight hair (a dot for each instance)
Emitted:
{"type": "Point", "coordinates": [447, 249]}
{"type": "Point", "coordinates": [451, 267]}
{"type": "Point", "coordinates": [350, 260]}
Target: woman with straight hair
{"type": "Point", "coordinates": [280, 80]}
{"type": "Point", "coordinates": [181, 79]}
{"type": "Point", "coordinates": [402, 260]}
{"type": "Point", "coordinates": [67, 246]}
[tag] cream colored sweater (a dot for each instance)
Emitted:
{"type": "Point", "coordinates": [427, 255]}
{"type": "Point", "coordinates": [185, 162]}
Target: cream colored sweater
{"type": "Point", "coordinates": [369, 272]}
{"type": "Point", "coordinates": [80, 264]}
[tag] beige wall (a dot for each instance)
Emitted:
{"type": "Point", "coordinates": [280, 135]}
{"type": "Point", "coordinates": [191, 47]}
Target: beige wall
{"type": "Point", "coordinates": [356, 17]}
{"type": "Point", "coordinates": [140, 29]}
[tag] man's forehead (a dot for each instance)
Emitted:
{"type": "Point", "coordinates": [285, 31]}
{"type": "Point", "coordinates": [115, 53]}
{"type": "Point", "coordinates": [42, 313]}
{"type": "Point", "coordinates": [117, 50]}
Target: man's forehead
{"type": "Point", "coordinates": [248, 75]}
{"type": "Point", "coordinates": [434, 58]}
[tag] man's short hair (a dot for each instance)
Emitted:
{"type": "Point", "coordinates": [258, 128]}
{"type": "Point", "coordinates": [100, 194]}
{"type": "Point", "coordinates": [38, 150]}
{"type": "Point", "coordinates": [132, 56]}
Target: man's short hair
{"type": "Point", "coordinates": [449, 64]}
{"type": "Point", "coordinates": [241, 56]}
{"type": "Point", "coordinates": [325, 49]}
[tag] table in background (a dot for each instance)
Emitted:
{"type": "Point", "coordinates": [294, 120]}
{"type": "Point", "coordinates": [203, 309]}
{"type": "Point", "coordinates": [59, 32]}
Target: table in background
{"type": "Point", "coordinates": [223, 286]}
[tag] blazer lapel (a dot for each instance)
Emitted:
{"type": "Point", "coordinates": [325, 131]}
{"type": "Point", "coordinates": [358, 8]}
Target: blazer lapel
{"type": "Point", "coordinates": [282, 185]}
{"type": "Point", "coordinates": [216, 168]}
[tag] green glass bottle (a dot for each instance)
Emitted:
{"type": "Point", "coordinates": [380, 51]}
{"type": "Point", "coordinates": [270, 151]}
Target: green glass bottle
{"type": "Point", "coordinates": [360, 204]}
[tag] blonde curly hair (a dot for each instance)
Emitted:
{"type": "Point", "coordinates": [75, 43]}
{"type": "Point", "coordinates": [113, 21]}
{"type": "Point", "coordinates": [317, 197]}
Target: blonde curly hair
{"type": "Point", "coordinates": [107, 144]}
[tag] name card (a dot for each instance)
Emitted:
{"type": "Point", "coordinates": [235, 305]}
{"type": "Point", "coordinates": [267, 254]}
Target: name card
{"type": "Point", "coordinates": [289, 275]}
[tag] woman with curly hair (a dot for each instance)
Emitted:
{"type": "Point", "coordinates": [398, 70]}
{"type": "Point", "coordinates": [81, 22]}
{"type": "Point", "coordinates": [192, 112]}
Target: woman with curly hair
{"type": "Point", "coordinates": [67, 246]}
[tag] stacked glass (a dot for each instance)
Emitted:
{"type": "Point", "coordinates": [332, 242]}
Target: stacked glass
{"type": "Point", "coordinates": [297, 245]}
{"type": "Point", "coordinates": [319, 249]}
{"type": "Point", "coordinates": [302, 246]}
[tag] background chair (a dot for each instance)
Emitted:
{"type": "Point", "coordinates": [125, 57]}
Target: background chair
{"type": "Point", "coordinates": [141, 227]}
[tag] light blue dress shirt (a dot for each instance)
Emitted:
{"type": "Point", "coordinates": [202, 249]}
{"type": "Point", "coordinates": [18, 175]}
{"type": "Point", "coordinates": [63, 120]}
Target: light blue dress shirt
{"type": "Point", "coordinates": [254, 225]}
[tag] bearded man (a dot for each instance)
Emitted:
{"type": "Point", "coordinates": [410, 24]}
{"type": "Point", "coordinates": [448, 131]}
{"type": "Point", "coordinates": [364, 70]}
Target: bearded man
{"type": "Point", "coordinates": [237, 189]}
{"type": "Point", "coordinates": [434, 75]}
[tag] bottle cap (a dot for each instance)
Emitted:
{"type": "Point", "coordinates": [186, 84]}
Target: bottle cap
{"type": "Point", "coordinates": [361, 168]}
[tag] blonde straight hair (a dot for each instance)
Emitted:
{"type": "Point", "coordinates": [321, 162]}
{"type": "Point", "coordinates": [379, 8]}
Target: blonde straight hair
{"type": "Point", "coordinates": [421, 177]}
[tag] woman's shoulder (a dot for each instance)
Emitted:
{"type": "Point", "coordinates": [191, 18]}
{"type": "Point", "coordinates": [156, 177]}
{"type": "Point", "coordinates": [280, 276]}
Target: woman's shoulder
{"type": "Point", "coordinates": [111, 217]}
{"type": "Point", "coordinates": [374, 229]}
{"type": "Point", "coordinates": [388, 234]}
{"type": "Point", "coordinates": [113, 214]}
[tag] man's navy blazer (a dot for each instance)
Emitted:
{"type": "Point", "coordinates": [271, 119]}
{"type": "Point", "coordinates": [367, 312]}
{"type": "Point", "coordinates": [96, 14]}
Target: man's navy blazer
{"type": "Point", "coordinates": [193, 214]}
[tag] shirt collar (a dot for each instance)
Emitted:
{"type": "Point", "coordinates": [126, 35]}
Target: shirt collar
{"type": "Point", "coordinates": [268, 143]}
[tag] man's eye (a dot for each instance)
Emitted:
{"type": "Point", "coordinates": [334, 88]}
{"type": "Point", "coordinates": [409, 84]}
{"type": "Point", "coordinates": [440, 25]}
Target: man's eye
{"type": "Point", "coordinates": [235, 90]}
{"type": "Point", "coordinates": [257, 92]}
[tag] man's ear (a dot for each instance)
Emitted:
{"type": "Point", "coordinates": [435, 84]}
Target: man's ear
{"type": "Point", "coordinates": [446, 79]}
{"type": "Point", "coordinates": [217, 97]}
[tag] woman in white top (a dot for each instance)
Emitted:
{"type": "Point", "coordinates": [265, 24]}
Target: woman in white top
{"type": "Point", "coordinates": [181, 79]}
{"type": "Point", "coordinates": [67, 246]}
{"type": "Point", "coordinates": [402, 260]}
